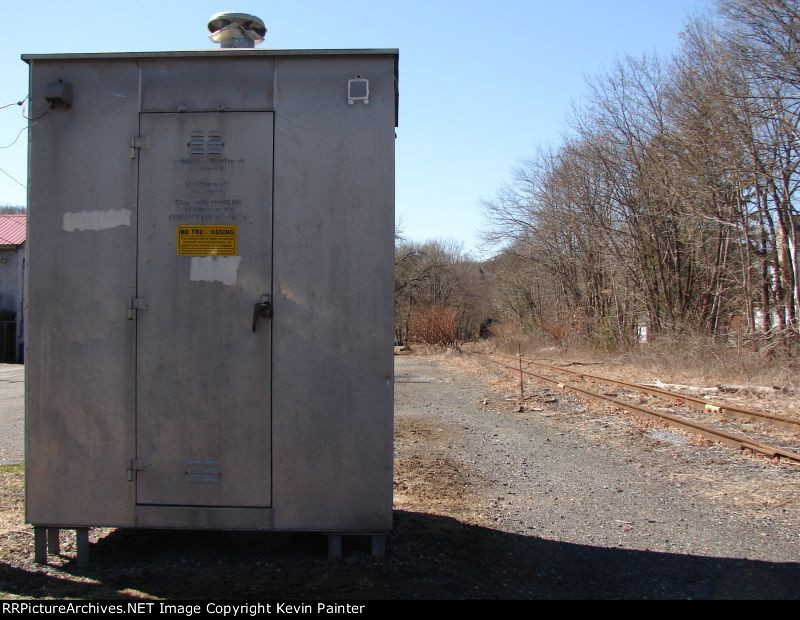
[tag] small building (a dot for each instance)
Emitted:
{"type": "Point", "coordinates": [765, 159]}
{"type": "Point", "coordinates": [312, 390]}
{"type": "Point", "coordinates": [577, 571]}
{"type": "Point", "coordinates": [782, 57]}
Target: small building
{"type": "Point", "coordinates": [12, 269]}
{"type": "Point", "coordinates": [212, 243]}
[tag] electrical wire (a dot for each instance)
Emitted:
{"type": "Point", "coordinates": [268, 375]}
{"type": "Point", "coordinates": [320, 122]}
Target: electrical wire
{"type": "Point", "coordinates": [8, 146]}
{"type": "Point", "coordinates": [28, 126]}
{"type": "Point", "coordinates": [31, 122]}
{"type": "Point", "coordinates": [22, 102]}
{"type": "Point", "coordinates": [28, 118]}
{"type": "Point", "coordinates": [13, 179]}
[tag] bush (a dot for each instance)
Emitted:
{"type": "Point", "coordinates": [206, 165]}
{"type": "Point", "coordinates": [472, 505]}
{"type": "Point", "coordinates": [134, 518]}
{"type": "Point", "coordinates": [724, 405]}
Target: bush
{"type": "Point", "coordinates": [434, 325]}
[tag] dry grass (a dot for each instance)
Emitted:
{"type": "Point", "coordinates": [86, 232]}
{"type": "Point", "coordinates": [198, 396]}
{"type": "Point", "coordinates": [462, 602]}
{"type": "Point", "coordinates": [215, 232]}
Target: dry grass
{"type": "Point", "coordinates": [425, 479]}
{"type": "Point", "coordinates": [685, 358]}
{"type": "Point", "coordinates": [774, 382]}
{"type": "Point", "coordinates": [430, 350]}
{"type": "Point", "coordinates": [12, 504]}
{"type": "Point", "coordinates": [715, 363]}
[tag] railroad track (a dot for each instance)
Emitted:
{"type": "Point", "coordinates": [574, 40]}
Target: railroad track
{"type": "Point", "coordinates": [691, 401]}
{"type": "Point", "coordinates": [731, 439]}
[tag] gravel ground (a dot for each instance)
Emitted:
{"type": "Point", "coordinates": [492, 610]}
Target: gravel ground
{"type": "Point", "coordinates": [564, 500]}
{"type": "Point", "coordinates": [631, 497]}
{"type": "Point", "coordinates": [585, 476]}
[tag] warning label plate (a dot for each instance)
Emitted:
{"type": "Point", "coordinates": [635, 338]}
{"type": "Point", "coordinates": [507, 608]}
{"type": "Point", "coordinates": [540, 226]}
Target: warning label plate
{"type": "Point", "coordinates": [206, 240]}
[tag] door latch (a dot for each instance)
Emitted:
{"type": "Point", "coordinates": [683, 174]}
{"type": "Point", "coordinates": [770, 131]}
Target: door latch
{"type": "Point", "coordinates": [134, 304]}
{"type": "Point", "coordinates": [263, 310]}
{"type": "Point", "coordinates": [135, 465]}
{"type": "Point", "coordinates": [138, 143]}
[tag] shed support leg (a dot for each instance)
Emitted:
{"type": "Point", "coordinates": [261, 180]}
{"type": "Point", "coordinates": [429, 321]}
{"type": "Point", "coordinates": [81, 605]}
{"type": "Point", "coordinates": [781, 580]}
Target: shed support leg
{"type": "Point", "coordinates": [82, 536]}
{"type": "Point", "coordinates": [334, 546]}
{"type": "Point", "coordinates": [53, 544]}
{"type": "Point", "coordinates": [378, 545]}
{"type": "Point", "coordinates": [40, 545]}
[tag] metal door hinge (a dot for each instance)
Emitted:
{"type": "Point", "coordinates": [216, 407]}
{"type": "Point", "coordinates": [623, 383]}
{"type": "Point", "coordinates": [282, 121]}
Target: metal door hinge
{"type": "Point", "coordinates": [135, 465]}
{"type": "Point", "coordinates": [139, 142]}
{"type": "Point", "coordinates": [134, 304]}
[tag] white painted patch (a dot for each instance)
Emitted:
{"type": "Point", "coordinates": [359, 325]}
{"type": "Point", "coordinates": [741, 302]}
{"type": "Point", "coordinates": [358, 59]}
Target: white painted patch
{"type": "Point", "coordinates": [96, 220]}
{"type": "Point", "coordinates": [223, 269]}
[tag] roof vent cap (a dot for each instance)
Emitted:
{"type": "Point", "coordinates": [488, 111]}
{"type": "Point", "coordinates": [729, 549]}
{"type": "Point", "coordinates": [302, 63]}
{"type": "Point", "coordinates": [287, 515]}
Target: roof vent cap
{"type": "Point", "coordinates": [236, 29]}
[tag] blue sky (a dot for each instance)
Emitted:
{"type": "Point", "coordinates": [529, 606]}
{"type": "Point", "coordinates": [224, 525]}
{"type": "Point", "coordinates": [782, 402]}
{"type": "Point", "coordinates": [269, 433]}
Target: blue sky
{"type": "Point", "coordinates": [481, 84]}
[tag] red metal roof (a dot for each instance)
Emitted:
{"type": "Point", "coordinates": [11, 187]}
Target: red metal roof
{"type": "Point", "coordinates": [12, 229]}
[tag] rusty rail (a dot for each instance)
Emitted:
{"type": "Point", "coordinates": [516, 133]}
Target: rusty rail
{"type": "Point", "coordinates": [691, 401]}
{"type": "Point", "coordinates": [736, 441]}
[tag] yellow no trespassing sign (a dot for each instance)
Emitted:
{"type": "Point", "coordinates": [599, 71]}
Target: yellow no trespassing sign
{"type": "Point", "coordinates": [206, 240]}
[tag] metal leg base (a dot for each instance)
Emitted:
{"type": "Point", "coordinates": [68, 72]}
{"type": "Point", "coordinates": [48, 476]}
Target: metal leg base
{"type": "Point", "coordinates": [53, 542]}
{"type": "Point", "coordinates": [40, 545]}
{"type": "Point", "coordinates": [82, 536]}
{"type": "Point", "coordinates": [378, 545]}
{"type": "Point", "coordinates": [46, 539]}
{"type": "Point", "coordinates": [334, 546]}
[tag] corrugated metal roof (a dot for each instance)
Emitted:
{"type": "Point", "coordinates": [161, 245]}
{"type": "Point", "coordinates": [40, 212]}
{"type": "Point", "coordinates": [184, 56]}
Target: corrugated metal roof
{"type": "Point", "coordinates": [12, 229]}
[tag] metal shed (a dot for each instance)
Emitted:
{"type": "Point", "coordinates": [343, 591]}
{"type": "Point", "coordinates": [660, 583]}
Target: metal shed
{"type": "Point", "coordinates": [12, 275]}
{"type": "Point", "coordinates": [209, 308]}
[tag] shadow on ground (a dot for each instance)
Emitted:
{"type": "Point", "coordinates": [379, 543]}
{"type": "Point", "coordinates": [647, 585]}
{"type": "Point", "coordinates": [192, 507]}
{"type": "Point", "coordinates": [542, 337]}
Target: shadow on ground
{"type": "Point", "coordinates": [429, 557]}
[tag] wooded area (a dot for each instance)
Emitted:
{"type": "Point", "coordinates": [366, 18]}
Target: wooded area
{"type": "Point", "coordinates": [669, 208]}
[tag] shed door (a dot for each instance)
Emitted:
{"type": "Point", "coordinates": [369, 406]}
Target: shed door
{"type": "Point", "coordinates": [204, 262]}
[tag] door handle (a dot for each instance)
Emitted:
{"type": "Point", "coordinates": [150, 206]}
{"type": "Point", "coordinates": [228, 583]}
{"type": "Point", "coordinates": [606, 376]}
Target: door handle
{"type": "Point", "coordinates": [263, 310]}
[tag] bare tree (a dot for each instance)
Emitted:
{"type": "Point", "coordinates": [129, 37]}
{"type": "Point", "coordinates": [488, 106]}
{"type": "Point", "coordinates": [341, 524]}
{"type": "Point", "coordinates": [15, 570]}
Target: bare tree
{"type": "Point", "coordinates": [671, 204]}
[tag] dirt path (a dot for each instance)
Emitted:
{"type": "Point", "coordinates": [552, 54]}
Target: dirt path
{"type": "Point", "coordinates": [565, 502]}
